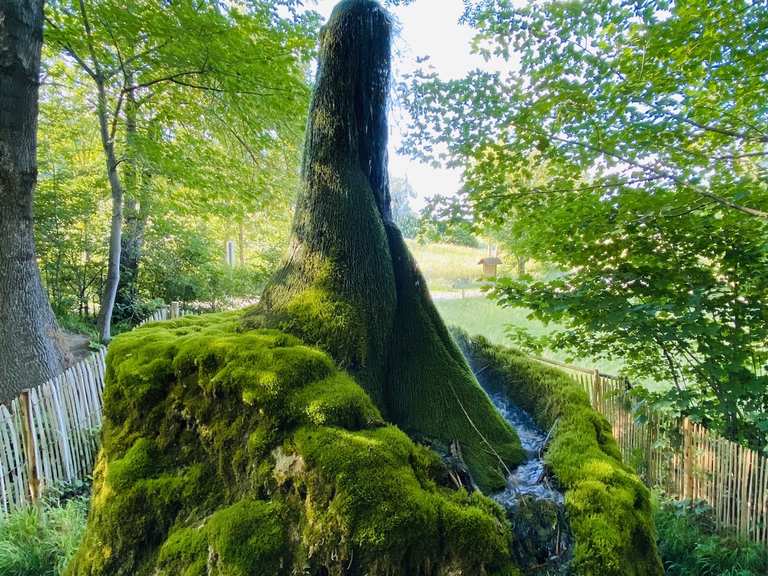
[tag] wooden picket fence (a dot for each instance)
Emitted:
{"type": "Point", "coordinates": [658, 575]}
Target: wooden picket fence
{"type": "Point", "coordinates": [49, 434]}
{"type": "Point", "coordinates": [682, 458]}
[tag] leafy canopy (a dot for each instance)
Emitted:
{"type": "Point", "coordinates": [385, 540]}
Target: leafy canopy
{"type": "Point", "coordinates": [628, 142]}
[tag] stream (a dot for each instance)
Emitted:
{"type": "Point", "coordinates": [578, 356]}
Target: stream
{"type": "Point", "coordinates": [530, 478]}
{"type": "Point", "coordinates": [535, 507]}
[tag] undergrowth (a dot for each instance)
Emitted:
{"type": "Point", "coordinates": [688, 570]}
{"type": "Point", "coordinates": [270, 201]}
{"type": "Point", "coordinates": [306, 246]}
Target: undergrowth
{"type": "Point", "coordinates": [691, 545]}
{"type": "Point", "coordinates": [40, 540]}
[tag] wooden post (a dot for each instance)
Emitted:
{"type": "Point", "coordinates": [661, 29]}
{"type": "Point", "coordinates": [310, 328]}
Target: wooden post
{"type": "Point", "coordinates": [174, 310]}
{"type": "Point", "coordinates": [687, 460]}
{"type": "Point", "coordinates": [597, 396]}
{"type": "Point", "coordinates": [29, 446]}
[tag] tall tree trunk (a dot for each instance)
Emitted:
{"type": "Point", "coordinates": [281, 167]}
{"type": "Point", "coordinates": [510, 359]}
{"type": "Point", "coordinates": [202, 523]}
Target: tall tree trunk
{"type": "Point", "coordinates": [134, 221]}
{"type": "Point", "coordinates": [30, 352]}
{"type": "Point", "coordinates": [350, 284]}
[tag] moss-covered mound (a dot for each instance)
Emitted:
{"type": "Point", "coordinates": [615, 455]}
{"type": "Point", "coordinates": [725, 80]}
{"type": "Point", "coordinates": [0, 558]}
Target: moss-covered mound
{"type": "Point", "coordinates": [246, 453]}
{"type": "Point", "coordinates": [607, 505]}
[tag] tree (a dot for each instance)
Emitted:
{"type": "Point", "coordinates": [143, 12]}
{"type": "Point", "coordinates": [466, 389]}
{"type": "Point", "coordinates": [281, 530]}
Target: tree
{"type": "Point", "coordinates": [29, 350]}
{"type": "Point", "coordinates": [350, 285]}
{"type": "Point", "coordinates": [156, 68]}
{"type": "Point", "coordinates": [649, 121]}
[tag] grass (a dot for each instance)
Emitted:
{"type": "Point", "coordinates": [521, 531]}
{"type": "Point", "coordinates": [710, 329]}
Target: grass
{"type": "Point", "coordinates": [449, 268]}
{"type": "Point", "coordinates": [40, 541]}
{"type": "Point", "coordinates": [482, 316]}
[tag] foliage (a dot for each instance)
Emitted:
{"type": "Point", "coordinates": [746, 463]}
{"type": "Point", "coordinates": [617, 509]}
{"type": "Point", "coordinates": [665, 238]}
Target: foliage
{"type": "Point", "coordinates": [444, 219]}
{"type": "Point", "coordinates": [608, 507]}
{"type": "Point", "coordinates": [627, 146]}
{"type": "Point", "coordinates": [198, 108]}
{"type": "Point", "coordinates": [40, 540]}
{"type": "Point", "coordinates": [690, 544]}
{"type": "Point", "coordinates": [71, 209]}
{"type": "Point", "coordinates": [251, 452]}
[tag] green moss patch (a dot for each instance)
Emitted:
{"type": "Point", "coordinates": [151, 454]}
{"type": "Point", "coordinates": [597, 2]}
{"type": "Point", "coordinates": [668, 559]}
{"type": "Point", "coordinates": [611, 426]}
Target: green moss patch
{"type": "Point", "coordinates": [236, 453]}
{"type": "Point", "coordinates": [607, 505]}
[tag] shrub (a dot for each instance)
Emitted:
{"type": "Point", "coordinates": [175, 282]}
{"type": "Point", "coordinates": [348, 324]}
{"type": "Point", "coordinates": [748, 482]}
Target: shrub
{"type": "Point", "coordinates": [691, 545]}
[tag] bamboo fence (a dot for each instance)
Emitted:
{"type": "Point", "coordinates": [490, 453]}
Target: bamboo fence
{"type": "Point", "coordinates": [682, 458]}
{"type": "Point", "coordinates": [49, 434]}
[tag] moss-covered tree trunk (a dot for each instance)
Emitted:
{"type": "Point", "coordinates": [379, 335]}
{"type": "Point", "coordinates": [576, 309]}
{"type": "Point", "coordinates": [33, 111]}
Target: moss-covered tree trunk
{"type": "Point", "coordinates": [350, 284]}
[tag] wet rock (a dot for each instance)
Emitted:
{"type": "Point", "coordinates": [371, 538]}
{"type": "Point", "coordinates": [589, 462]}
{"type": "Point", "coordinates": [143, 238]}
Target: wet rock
{"type": "Point", "coordinates": [541, 534]}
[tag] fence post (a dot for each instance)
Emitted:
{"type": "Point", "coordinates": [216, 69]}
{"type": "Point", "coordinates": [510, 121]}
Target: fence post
{"type": "Point", "coordinates": [29, 446]}
{"type": "Point", "coordinates": [687, 460]}
{"type": "Point", "coordinates": [597, 392]}
{"type": "Point", "coordinates": [174, 310]}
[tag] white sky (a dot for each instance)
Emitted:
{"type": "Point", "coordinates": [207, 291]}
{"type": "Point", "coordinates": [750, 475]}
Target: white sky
{"type": "Point", "coordinates": [428, 28]}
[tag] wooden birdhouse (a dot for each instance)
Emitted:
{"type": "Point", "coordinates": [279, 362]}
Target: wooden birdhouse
{"type": "Point", "coordinates": [490, 266]}
{"type": "Point", "coordinates": [491, 262]}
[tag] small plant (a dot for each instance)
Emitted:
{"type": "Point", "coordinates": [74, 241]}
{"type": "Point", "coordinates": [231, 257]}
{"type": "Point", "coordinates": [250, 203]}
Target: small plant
{"type": "Point", "coordinates": [690, 544]}
{"type": "Point", "coordinates": [40, 540]}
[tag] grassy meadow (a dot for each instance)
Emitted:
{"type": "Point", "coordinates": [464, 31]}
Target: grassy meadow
{"type": "Point", "coordinates": [449, 268]}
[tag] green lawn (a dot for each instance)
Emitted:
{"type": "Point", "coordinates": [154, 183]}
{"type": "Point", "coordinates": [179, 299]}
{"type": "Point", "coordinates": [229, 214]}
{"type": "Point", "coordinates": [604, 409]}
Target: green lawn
{"type": "Point", "coordinates": [445, 266]}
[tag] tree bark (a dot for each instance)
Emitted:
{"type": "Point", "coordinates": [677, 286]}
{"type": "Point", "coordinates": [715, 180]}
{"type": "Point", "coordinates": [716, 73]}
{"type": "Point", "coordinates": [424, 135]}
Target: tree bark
{"type": "Point", "coordinates": [132, 243]}
{"type": "Point", "coordinates": [30, 351]}
{"type": "Point", "coordinates": [115, 234]}
{"type": "Point", "coordinates": [350, 285]}
{"type": "Point", "coordinates": [134, 221]}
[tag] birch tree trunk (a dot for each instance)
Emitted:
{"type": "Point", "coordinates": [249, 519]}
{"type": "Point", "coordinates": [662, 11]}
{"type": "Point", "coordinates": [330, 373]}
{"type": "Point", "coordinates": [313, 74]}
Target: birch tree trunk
{"type": "Point", "coordinates": [30, 351]}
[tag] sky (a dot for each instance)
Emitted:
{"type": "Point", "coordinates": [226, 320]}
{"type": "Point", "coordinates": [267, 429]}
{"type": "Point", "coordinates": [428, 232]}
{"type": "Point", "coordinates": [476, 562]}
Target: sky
{"type": "Point", "coordinates": [427, 28]}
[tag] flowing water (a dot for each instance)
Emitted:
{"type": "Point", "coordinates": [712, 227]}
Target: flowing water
{"type": "Point", "coordinates": [530, 478]}
{"type": "Point", "coordinates": [535, 507]}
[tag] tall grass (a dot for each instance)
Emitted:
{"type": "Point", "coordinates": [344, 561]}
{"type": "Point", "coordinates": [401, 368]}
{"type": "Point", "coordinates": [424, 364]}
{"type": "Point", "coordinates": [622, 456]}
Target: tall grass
{"type": "Point", "coordinates": [40, 540]}
{"type": "Point", "coordinates": [691, 546]}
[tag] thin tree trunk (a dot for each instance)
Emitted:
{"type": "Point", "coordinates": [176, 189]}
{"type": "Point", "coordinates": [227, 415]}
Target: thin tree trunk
{"type": "Point", "coordinates": [134, 221]}
{"type": "Point", "coordinates": [115, 235]}
{"type": "Point", "coordinates": [30, 351]}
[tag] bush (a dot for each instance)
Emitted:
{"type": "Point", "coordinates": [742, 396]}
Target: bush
{"type": "Point", "coordinates": [607, 505]}
{"type": "Point", "coordinates": [690, 545]}
{"type": "Point", "coordinates": [40, 540]}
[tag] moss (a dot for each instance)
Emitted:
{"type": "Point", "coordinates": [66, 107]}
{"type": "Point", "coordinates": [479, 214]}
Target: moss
{"type": "Point", "coordinates": [256, 455]}
{"type": "Point", "coordinates": [607, 505]}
